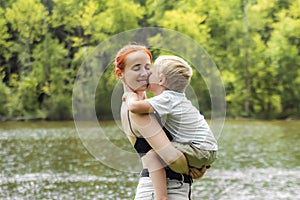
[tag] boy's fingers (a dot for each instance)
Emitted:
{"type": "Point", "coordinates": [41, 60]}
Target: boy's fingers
{"type": "Point", "coordinates": [197, 173]}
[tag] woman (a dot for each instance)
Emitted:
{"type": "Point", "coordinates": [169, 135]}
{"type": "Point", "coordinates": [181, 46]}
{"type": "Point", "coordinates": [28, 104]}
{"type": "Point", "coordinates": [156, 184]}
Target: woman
{"type": "Point", "coordinates": [133, 63]}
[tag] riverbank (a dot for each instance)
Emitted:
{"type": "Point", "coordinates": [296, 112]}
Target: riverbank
{"type": "Point", "coordinates": [257, 159]}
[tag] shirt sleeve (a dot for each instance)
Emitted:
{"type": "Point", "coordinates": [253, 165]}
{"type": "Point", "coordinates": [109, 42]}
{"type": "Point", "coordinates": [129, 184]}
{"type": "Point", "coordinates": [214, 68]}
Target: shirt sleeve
{"type": "Point", "coordinates": [161, 104]}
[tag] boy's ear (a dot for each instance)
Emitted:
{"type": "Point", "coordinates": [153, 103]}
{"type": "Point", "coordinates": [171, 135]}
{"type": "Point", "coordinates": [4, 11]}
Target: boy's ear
{"type": "Point", "coordinates": [119, 73]}
{"type": "Point", "coordinates": [162, 80]}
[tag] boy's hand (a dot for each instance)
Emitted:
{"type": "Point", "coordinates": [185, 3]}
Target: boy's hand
{"type": "Point", "coordinates": [136, 104]}
{"type": "Point", "coordinates": [132, 96]}
{"type": "Point", "coordinates": [197, 173]}
{"type": "Point", "coordinates": [129, 97]}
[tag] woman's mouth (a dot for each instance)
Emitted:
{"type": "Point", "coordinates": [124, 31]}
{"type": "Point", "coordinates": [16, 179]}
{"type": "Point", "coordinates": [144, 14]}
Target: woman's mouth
{"type": "Point", "coordinates": [145, 80]}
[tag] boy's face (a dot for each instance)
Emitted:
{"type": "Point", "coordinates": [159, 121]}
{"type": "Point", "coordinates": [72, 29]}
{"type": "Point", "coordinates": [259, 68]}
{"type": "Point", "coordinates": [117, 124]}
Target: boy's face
{"type": "Point", "coordinates": [154, 82]}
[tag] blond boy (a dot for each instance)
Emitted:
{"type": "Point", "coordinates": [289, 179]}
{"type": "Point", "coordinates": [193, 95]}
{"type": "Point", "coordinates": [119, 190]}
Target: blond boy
{"type": "Point", "coordinates": [190, 131]}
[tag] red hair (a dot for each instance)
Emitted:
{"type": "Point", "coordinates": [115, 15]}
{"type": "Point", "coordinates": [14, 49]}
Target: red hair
{"type": "Point", "coordinates": [122, 54]}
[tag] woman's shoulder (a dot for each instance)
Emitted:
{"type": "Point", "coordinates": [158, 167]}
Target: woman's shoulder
{"type": "Point", "coordinates": [139, 118]}
{"type": "Point", "coordinates": [144, 123]}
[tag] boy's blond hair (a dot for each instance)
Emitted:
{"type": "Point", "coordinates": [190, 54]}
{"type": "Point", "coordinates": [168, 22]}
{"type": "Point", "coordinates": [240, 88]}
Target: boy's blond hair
{"type": "Point", "coordinates": [177, 71]}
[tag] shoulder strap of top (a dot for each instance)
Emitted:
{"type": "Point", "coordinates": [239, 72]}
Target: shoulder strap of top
{"type": "Point", "coordinates": [130, 124]}
{"type": "Point", "coordinates": [163, 127]}
{"type": "Point", "coordinates": [159, 121]}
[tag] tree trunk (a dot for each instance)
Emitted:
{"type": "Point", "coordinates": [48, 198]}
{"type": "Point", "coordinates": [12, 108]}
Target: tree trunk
{"type": "Point", "coordinates": [247, 61]}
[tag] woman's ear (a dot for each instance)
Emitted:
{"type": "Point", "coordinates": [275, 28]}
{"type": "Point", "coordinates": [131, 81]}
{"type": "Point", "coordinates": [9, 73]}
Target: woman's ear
{"type": "Point", "coordinates": [119, 73]}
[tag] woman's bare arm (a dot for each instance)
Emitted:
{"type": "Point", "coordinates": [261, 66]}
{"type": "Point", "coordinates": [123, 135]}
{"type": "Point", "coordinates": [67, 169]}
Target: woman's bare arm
{"type": "Point", "coordinates": [151, 130]}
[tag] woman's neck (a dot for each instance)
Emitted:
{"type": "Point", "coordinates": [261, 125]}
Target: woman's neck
{"type": "Point", "coordinates": [141, 94]}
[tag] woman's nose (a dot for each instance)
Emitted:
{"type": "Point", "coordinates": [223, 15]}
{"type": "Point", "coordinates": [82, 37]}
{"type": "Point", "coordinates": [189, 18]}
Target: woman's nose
{"type": "Point", "coordinates": [149, 72]}
{"type": "Point", "coordinates": [145, 72]}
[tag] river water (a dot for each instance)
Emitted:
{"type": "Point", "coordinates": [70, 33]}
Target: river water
{"type": "Point", "coordinates": [52, 160]}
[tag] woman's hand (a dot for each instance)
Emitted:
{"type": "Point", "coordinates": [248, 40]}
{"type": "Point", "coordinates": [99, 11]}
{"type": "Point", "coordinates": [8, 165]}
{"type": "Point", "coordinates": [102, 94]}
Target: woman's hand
{"type": "Point", "coordinates": [196, 173]}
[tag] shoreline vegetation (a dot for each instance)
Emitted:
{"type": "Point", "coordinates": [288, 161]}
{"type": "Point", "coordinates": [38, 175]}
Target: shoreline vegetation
{"type": "Point", "coordinates": [38, 119]}
{"type": "Point", "coordinates": [254, 44]}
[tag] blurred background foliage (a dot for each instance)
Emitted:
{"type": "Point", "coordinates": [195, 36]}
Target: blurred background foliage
{"type": "Point", "coordinates": [255, 44]}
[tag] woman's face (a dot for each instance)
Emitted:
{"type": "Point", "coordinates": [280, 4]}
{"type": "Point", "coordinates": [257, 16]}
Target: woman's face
{"type": "Point", "coordinates": [137, 70]}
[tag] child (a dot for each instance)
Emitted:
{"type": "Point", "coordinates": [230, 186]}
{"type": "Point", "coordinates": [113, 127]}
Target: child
{"type": "Point", "coordinates": [191, 133]}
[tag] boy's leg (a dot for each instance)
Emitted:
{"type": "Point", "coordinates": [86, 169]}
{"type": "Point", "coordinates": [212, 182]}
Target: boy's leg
{"type": "Point", "coordinates": [196, 157]}
{"type": "Point", "coordinates": [176, 159]}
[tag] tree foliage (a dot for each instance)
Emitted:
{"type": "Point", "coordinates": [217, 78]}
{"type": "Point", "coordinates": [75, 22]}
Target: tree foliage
{"type": "Point", "coordinates": [255, 44]}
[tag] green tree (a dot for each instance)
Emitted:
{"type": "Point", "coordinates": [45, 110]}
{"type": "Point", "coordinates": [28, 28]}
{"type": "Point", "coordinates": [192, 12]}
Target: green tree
{"type": "Point", "coordinates": [26, 30]}
{"type": "Point", "coordinates": [28, 21]}
{"type": "Point", "coordinates": [284, 49]}
{"type": "Point", "coordinates": [4, 38]}
{"type": "Point", "coordinates": [53, 75]}
{"type": "Point", "coordinates": [121, 16]}
{"type": "Point", "coordinates": [4, 94]}
{"type": "Point", "coordinates": [154, 10]}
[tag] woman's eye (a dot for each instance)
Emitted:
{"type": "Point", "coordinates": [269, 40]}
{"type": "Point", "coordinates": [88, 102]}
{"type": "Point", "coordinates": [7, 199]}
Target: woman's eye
{"type": "Point", "coordinates": [136, 68]}
{"type": "Point", "coordinates": [148, 67]}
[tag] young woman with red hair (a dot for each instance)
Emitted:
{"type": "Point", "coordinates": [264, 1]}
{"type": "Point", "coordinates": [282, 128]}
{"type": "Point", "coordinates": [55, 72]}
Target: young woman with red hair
{"type": "Point", "coordinates": [133, 68]}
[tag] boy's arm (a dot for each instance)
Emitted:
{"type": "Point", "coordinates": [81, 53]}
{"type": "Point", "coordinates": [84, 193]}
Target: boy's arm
{"type": "Point", "coordinates": [137, 106]}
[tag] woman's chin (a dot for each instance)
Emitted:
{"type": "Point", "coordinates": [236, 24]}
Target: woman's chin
{"type": "Point", "coordinates": [142, 88]}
